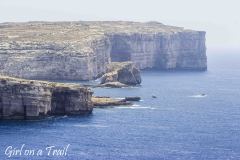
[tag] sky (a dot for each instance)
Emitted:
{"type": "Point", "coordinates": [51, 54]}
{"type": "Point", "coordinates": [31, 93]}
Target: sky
{"type": "Point", "coordinates": [219, 18]}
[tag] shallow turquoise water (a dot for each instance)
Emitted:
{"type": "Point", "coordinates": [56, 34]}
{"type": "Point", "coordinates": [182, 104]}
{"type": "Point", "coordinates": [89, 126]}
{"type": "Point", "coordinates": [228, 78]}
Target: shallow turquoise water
{"type": "Point", "coordinates": [178, 124]}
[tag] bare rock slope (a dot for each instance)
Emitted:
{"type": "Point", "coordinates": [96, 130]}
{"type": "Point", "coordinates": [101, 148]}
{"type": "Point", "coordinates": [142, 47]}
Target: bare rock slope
{"type": "Point", "coordinates": [81, 50]}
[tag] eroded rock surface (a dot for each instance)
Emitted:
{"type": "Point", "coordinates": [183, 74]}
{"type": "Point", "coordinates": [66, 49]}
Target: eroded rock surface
{"type": "Point", "coordinates": [28, 99]}
{"type": "Point", "coordinates": [120, 74]}
{"type": "Point", "coordinates": [113, 85]}
{"type": "Point", "coordinates": [82, 50]}
{"type": "Point", "coordinates": [102, 102]}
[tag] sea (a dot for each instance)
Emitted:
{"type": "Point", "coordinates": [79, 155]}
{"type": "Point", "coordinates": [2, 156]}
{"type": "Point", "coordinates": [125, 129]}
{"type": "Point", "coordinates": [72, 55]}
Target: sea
{"type": "Point", "coordinates": [182, 115]}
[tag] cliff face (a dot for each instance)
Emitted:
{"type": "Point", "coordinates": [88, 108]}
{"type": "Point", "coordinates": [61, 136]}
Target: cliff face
{"type": "Point", "coordinates": [181, 50]}
{"type": "Point", "coordinates": [26, 99]}
{"type": "Point", "coordinates": [82, 50]}
{"type": "Point", "coordinates": [71, 100]}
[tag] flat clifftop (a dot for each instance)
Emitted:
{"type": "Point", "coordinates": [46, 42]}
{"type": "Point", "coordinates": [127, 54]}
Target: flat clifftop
{"type": "Point", "coordinates": [65, 30]}
{"type": "Point", "coordinates": [77, 35]}
{"type": "Point", "coordinates": [82, 50]}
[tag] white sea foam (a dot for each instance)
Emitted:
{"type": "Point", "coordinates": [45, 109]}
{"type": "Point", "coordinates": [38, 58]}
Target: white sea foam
{"type": "Point", "coordinates": [90, 125]}
{"type": "Point", "coordinates": [198, 96]}
{"type": "Point", "coordinates": [119, 98]}
{"type": "Point", "coordinates": [136, 107]}
{"type": "Point", "coordinates": [97, 80]}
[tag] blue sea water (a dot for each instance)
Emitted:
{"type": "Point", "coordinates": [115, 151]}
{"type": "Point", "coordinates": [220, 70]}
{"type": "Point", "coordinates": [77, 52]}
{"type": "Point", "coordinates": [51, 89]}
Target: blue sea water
{"type": "Point", "coordinates": [180, 123]}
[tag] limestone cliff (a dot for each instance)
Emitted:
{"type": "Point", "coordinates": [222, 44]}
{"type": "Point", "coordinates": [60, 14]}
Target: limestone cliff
{"type": "Point", "coordinates": [81, 50]}
{"type": "Point", "coordinates": [28, 99]}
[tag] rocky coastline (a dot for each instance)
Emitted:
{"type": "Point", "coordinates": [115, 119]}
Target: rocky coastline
{"type": "Point", "coordinates": [113, 51]}
{"type": "Point", "coordinates": [30, 99]}
{"type": "Point", "coordinates": [34, 99]}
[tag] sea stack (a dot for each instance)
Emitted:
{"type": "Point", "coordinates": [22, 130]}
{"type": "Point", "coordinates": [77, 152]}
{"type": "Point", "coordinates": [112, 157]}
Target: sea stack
{"type": "Point", "coordinates": [121, 73]}
{"type": "Point", "coordinates": [82, 50]}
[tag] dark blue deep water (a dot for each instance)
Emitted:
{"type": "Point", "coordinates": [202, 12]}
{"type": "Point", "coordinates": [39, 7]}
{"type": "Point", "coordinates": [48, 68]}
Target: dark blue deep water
{"type": "Point", "coordinates": [178, 124]}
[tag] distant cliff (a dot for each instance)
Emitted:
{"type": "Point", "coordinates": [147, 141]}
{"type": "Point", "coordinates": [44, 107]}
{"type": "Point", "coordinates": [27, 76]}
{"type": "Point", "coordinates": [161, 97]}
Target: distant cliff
{"type": "Point", "coordinates": [82, 50]}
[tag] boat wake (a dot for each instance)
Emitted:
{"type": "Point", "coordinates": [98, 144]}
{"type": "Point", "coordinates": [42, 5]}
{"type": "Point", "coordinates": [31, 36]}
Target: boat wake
{"type": "Point", "coordinates": [198, 96]}
{"type": "Point", "coordinates": [90, 125]}
{"type": "Point", "coordinates": [136, 106]}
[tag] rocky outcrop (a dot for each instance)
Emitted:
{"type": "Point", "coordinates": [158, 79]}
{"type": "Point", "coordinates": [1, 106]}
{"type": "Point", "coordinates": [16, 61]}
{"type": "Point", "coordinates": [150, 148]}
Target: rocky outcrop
{"type": "Point", "coordinates": [82, 50]}
{"type": "Point", "coordinates": [112, 85]}
{"type": "Point", "coordinates": [124, 72]}
{"type": "Point", "coordinates": [133, 98]}
{"type": "Point", "coordinates": [28, 99]}
{"type": "Point", "coordinates": [102, 102]}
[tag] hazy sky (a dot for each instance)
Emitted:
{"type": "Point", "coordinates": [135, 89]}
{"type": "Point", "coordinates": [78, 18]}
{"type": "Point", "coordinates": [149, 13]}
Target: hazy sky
{"type": "Point", "coordinates": [220, 18]}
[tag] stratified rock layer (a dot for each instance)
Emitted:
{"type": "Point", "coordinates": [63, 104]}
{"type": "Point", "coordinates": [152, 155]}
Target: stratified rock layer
{"type": "Point", "coordinates": [81, 50]}
{"type": "Point", "coordinates": [27, 99]}
{"type": "Point", "coordinates": [123, 72]}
